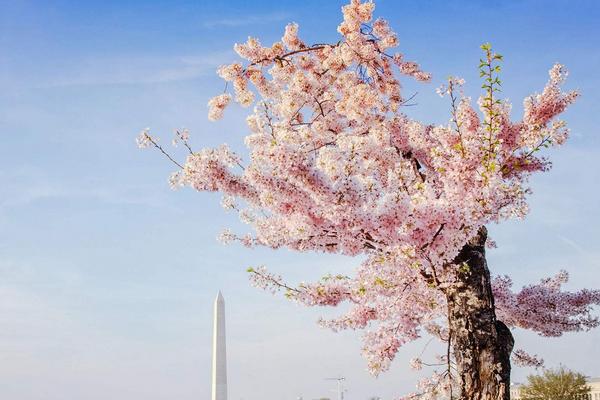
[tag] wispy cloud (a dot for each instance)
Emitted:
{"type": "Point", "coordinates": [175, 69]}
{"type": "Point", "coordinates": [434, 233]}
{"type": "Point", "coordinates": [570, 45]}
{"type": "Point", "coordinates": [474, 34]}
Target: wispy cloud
{"type": "Point", "coordinates": [132, 70]}
{"type": "Point", "coordinates": [574, 245]}
{"type": "Point", "coordinates": [245, 20]}
{"type": "Point", "coordinates": [29, 185]}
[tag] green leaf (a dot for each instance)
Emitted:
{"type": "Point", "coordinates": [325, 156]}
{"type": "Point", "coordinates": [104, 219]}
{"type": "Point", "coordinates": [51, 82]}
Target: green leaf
{"type": "Point", "coordinates": [379, 281]}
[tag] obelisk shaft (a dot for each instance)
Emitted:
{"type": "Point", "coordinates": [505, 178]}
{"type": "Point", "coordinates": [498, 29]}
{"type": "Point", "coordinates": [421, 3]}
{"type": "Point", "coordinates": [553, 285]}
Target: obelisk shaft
{"type": "Point", "coordinates": [219, 365]}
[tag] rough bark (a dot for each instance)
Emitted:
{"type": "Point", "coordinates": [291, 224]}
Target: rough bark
{"type": "Point", "coordinates": [481, 344]}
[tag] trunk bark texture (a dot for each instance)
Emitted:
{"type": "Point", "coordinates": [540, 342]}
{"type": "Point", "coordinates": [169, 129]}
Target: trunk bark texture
{"type": "Point", "coordinates": [481, 344]}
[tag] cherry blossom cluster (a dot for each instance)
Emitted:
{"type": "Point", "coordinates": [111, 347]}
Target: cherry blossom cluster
{"type": "Point", "coordinates": [544, 308]}
{"type": "Point", "coordinates": [522, 358]}
{"type": "Point", "coordinates": [437, 386]}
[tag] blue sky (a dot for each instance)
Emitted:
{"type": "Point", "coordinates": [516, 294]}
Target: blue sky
{"type": "Point", "coordinates": [107, 277]}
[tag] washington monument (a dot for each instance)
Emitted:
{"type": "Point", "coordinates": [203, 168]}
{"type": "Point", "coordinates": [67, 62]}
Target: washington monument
{"type": "Point", "coordinates": [219, 361]}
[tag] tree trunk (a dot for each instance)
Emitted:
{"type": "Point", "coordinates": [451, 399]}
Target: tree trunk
{"type": "Point", "coordinates": [481, 344]}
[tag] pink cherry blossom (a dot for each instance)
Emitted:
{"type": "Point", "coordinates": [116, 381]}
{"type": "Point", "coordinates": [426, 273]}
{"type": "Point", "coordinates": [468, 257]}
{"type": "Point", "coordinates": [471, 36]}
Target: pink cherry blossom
{"type": "Point", "coordinates": [217, 106]}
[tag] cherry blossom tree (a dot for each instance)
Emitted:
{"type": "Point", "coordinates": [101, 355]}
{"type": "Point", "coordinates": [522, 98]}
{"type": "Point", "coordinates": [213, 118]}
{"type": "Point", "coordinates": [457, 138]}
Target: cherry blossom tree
{"type": "Point", "coordinates": [335, 166]}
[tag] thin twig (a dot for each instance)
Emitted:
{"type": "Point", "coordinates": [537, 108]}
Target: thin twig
{"type": "Point", "coordinates": [162, 150]}
{"type": "Point", "coordinates": [185, 142]}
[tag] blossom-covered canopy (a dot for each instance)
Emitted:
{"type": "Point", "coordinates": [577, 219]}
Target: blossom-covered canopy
{"type": "Point", "coordinates": [334, 165]}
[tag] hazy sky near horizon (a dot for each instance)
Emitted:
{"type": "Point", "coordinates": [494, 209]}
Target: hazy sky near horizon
{"type": "Point", "coordinates": [107, 277]}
